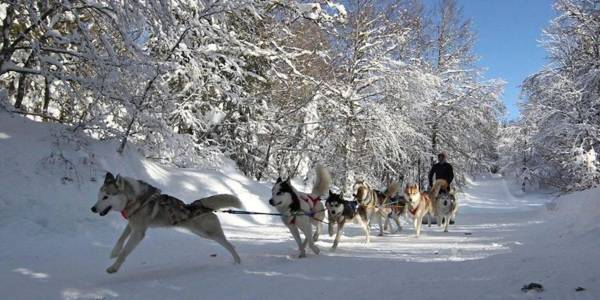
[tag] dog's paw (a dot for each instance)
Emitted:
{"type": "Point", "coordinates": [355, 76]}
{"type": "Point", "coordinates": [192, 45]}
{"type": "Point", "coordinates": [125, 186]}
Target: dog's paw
{"type": "Point", "coordinates": [112, 269]}
{"type": "Point", "coordinates": [316, 250]}
{"type": "Point", "coordinates": [302, 255]}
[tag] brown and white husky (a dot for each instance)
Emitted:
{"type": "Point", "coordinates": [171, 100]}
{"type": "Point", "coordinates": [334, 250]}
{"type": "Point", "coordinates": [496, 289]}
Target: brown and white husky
{"type": "Point", "coordinates": [421, 203]}
{"type": "Point", "coordinates": [376, 203]}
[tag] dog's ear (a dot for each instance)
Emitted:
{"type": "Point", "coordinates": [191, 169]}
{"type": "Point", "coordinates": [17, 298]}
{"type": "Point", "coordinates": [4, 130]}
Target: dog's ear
{"type": "Point", "coordinates": [109, 178]}
{"type": "Point", "coordinates": [278, 180]}
{"type": "Point", "coordinates": [120, 182]}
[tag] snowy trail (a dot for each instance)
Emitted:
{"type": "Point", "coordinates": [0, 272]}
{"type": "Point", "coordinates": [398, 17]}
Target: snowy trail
{"type": "Point", "coordinates": [53, 247]}
{"type": "Point", "coordinates": [494, 195]}
{"type": "Point", "coordinates": [492, 225]}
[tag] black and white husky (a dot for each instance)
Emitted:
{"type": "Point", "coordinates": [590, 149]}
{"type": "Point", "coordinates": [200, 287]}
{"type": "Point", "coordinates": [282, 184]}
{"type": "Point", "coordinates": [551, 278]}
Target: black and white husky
{"type": "Point", "coordinates": [340, 211]}
{"type": "Point", "coordinates": [145, 206]}
{"type": "Point", "coordinates": [299, 211]}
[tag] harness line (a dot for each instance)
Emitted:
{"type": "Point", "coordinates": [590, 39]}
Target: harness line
{"type": "Point", "coordinates": [245, 212]}
{"type": "Point", "coordinates": [391, 203]}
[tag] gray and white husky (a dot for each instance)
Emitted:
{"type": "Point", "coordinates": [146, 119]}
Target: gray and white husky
{"type": "Point", "coordinates": [299, 211]}
{"type": "Point", "coordinates": [145, 206]}
{"type": "Point", "coordinates": [445, 210]}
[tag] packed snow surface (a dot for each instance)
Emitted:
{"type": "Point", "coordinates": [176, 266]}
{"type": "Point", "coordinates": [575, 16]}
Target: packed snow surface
{"type": "Point", "coordinates": [53, 247]}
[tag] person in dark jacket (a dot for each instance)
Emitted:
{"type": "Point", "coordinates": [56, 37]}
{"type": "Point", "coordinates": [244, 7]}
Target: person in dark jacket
{"type": "Point", "coordinates": [442, 170]}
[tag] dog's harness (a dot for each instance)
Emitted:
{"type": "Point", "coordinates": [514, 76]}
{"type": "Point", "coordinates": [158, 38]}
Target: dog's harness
{"type": "Point", "coordinates": [312, 202]}
{"type": "Point", "coordinates": [414, 211]}
{"type": "Point", "coordinates": [371, 197]}
{"type": "Point", "coordinates": [350, 208]}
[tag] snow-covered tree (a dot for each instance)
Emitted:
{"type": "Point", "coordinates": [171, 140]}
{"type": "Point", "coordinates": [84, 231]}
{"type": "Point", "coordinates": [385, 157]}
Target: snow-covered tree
{"type": "Point", "coordinates": [562, 111]}
{"type": "Point", "coordinates": [370, 88]}
{"type": "Point", "coordinates": [464, 112]}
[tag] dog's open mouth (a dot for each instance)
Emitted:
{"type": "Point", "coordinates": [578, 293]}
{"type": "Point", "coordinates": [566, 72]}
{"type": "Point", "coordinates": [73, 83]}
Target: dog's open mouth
{"type": "Point", "coordinates": [105, 211]}
{"type": "Point", "coordinates": [273, 203]}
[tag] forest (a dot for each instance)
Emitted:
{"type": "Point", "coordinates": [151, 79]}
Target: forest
{"type": "Point", "coordinates": [373, 88]}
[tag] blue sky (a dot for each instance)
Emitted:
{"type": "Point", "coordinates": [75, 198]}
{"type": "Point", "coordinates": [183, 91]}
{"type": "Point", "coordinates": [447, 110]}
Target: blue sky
{"type": "Point", "coordinates": [508, 32]}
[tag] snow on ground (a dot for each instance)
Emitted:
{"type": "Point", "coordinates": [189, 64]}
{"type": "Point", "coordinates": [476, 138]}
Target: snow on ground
{"type": "Point", "coordinates": [53, 247]}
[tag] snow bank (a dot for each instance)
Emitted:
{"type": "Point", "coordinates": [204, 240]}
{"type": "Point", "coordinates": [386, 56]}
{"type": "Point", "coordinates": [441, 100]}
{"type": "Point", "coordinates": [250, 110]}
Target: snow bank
{"type": "Point", "coordinates": [576, 217]}
{"type": "Point", "coordinates": [50, 179]}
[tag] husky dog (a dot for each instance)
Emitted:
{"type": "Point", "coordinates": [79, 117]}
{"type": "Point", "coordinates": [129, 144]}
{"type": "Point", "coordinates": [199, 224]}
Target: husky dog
{"type": "Point", "coordinates": [395, 205]}
{"type": "Point", "coordinates": [145, 206]}
{"type": "Point", "coordinates": [339, 211]}
{"type": "Point", "coordinates": [368, 199]}
{"type": "Point", "coordinates": [445, 207]}
{"type": "Point", "coordinates": [375, 202]}
{"type": "Point", "coordinates": [422, 203]}
{"type": "Point", "coordinates": [299, 210]}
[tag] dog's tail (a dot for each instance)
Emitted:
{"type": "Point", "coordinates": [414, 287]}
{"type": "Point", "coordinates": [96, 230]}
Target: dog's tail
{"type": "Point", "coordinates": [220, 201]}
{"type": "Point", "coordinates": [437, 186]}
{"type": "Point", "coordinates": [323, 181]}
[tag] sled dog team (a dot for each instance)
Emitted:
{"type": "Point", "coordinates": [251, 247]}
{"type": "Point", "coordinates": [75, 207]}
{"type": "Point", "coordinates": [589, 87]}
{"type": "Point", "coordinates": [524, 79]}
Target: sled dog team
{"type": "Point", "coordinates": [144, 206]}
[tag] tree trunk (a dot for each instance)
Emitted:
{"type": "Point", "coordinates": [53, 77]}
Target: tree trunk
{"type": "Point", "coordinates": [267, 157]}
{"type": "Point", "coordinates": [434, 141]}
{"type": "Point", "coordinates": [419, 174]}
{"type": "Point", "coordinates": [124, 140]}
{"type": "Point", "coordinates": [6, 52]}
{"type": "Point", "coordinates": [23, 83]}
{"type": "Point", "coordinates": [46, 99]}
{"type": "Point", "coordinates": [345, 166]}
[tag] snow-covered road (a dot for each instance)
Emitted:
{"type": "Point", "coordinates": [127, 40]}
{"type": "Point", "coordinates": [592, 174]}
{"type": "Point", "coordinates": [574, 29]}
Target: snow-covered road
{"type": "Point", "coordinates": [496, 247]}
{"type": "Point", "coordinates": [52, 247]}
